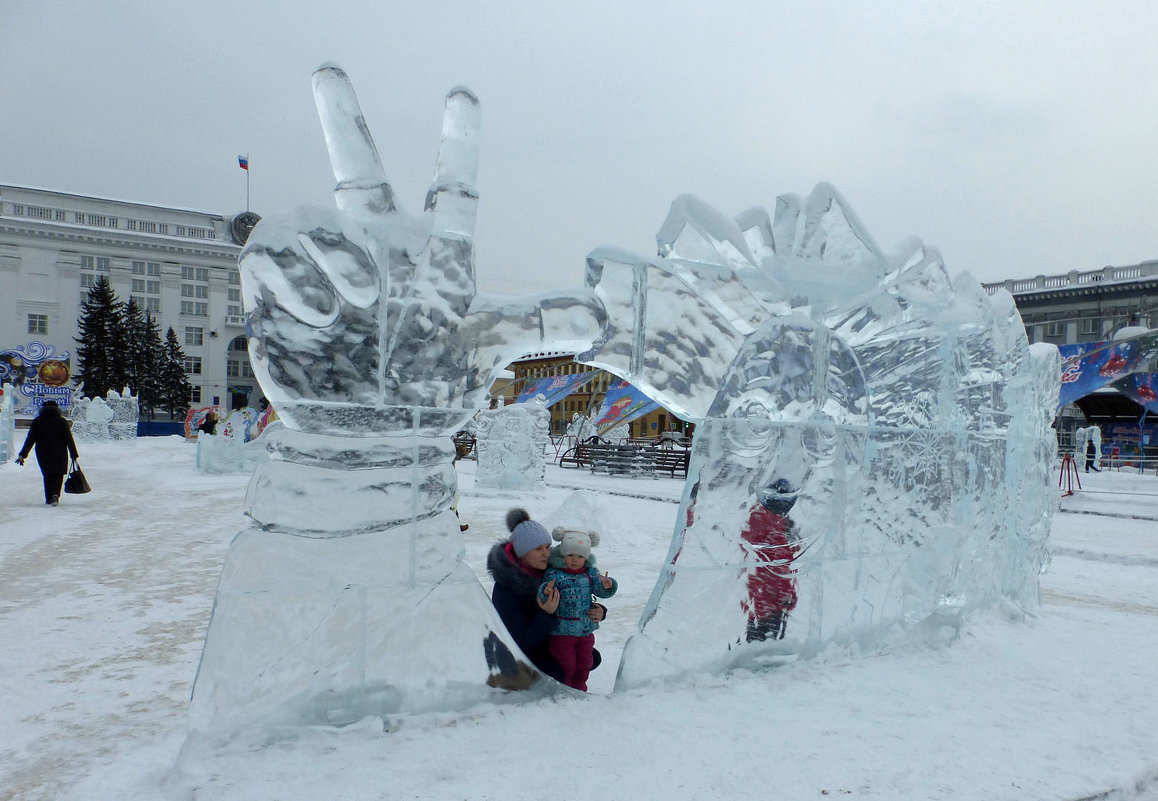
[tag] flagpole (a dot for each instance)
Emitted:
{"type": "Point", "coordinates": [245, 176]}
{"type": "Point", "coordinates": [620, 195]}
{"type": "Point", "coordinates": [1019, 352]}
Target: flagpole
{"type": "Point", "coordinates": [247, 181]}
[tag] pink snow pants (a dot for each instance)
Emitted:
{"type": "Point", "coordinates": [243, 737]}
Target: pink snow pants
{"type": "Point", "coordinates": [574, 655]}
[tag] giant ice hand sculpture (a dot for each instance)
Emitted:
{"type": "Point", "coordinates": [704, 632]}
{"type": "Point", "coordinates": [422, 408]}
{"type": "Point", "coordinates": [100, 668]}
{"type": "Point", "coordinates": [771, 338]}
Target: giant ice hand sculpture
{"type": "Point", "coordinates": [347, 596]}
{"type": "Point", "coordinates": [873, 444]}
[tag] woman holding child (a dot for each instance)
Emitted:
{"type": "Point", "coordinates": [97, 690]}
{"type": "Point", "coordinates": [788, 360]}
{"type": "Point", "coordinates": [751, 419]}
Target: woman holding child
{"type": "Point", "coordinates": [518, 566]}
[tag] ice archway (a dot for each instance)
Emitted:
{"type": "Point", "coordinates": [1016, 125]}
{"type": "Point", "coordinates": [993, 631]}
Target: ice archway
{"type": "Point", "coordinates": [905, 411]}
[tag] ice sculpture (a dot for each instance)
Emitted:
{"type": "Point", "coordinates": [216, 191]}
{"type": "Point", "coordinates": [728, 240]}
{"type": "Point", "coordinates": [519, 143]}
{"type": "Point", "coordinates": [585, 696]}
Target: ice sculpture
{"type": "Point", "coordinates": [230, 451]}
{"type": "Point", "coordinates": [346, 595]}
{"type": "Point", "coordinates": [7, 423]}
{"type": "Point", "coordinates": [511, 445]}
{"type": "Point", "coordinates": [1082, 439]}
{"type": "Point", "coordinates": [126, 412]}
{"type": "Point", "coordinates": [873, 440]}
{"type": "Point", "coordinates": [92, 418]}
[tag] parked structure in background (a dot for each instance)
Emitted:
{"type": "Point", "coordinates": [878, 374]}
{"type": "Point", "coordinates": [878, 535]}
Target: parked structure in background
{"type": "Point", "coordinates": [1081, 307]}
{"type": "Point", "coordinates": [180, 265]}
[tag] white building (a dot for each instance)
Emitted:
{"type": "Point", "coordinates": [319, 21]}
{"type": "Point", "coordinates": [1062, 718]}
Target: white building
{"type": "Point", "coordinates": [180, 265]}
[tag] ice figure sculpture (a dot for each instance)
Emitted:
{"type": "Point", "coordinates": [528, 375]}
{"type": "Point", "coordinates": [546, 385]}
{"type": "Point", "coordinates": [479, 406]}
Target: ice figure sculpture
{"type": "Point", "coordinates": [511, 446]}
{"type": "Point", "coordinates": [230, 450]}
{"type": "Point", "coordinates": [7, 423]}
{"type": "Point", "coordinates": [1082, 439]}
{"type": "Point", "coordinates": [92, 418]}
{"type": "Point", "coordinates": [126, 412]}
{"type": "Point", "coordinates": [873, 440]}
{"type": "Point", "coordinates": [346, 595]}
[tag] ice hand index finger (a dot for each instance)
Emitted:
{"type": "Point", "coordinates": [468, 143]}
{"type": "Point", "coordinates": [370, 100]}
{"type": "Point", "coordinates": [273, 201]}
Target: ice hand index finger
{"type": "Point", "coordinates": [361, 181]}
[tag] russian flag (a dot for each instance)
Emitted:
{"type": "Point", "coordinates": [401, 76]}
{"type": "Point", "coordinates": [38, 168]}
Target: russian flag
{"type": "Point", "coordinates": [243, 162]}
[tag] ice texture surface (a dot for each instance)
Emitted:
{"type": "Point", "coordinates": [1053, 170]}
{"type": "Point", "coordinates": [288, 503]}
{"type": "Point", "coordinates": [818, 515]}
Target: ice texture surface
{"type": "Point", "coordinates": [346, 596]}
{"type": "Point", "coordinates": [512, 443]}
{"type": "Point", "coordinates": [7, 423]}
{"type": "Point", "coordinates": [872, 449]}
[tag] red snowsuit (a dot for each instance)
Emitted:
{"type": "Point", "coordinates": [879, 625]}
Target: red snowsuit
{"type": "Point", "coordinates": [771, 542]}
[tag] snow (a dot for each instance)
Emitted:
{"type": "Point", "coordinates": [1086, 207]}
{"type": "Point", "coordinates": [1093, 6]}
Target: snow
{"type": "Point", "coordinates": [104, 603]}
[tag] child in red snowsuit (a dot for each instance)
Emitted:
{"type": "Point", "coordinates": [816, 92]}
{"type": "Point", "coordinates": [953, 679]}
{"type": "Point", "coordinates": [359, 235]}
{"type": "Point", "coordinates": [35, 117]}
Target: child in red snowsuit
{"type": "Point", "coordinates": [770, 539]}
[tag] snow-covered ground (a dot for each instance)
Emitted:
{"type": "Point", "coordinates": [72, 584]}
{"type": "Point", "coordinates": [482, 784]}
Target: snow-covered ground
{"type": "Point", "coordinates": [104, 602]}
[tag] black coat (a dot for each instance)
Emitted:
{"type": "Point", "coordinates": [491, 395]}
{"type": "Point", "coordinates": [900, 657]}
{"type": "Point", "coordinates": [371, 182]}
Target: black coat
{"type": "Point", "coordinates": [514, 600]}
{"type": "Point", "coordinates": [50, 433]}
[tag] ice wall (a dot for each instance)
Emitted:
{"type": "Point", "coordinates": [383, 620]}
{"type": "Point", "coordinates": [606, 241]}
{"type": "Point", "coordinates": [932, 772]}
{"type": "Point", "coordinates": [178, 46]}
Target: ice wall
{"type": "Point", "coordinates": [873, 443]}
{"type": "Point", "coordinates": [7, 424]}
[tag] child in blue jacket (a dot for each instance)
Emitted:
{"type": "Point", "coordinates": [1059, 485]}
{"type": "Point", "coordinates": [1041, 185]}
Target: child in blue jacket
{"type": "Point", "coordinates": [571, 570]}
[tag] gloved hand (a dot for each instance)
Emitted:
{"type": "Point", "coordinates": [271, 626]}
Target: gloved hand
{"type": "Point", "coordinates": [20, 460]}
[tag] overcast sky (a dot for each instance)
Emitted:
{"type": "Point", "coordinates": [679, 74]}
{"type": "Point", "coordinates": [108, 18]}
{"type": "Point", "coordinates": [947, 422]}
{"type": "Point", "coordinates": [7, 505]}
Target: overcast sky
{"type": "Point", "coordinates": [1016, 137]}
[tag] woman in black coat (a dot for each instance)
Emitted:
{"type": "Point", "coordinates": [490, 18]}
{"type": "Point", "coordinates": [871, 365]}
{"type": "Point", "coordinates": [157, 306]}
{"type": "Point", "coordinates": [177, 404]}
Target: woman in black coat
{"type": "Point", "coordinates": [517, 566]}
{"type": "Point", "coordinates": [50, 433]}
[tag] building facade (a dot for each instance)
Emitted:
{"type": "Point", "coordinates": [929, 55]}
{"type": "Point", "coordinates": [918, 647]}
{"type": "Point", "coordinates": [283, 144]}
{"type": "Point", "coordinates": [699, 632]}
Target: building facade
{"type": "Point", "coordinates": [179, 265]}
{"type": "Point", "coordinates": [584, 401]}
{"type": "Point", "coordinates": [1085, 306]}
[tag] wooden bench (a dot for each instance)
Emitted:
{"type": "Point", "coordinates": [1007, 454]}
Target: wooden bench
{"type": "Point", "coordinates": [580, 455]}
{"type": "Point", "coordinates": [671, 460]}
{"type": "Point", "coordinates": [622, 460]}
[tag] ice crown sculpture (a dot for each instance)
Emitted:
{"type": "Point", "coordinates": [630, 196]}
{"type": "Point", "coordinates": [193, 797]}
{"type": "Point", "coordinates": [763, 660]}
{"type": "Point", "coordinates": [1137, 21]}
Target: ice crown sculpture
{"type": "Point", "coordinates": [871, 448]}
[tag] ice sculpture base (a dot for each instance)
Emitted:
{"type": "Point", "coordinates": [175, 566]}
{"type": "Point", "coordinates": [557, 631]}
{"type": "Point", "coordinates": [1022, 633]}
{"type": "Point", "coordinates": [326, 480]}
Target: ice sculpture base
{"type": "Point", "coordinates": [309, 631]}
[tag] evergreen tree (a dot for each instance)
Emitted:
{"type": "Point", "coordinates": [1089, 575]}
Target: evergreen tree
{"type": "Point", "coordinates": [153, 354]}
{"type": "Point", "coordinates": [175, 388]}
{"type": "Point", "coordinates": [100, 346]}
{"type": "Point", "coordinates": [135, 357]}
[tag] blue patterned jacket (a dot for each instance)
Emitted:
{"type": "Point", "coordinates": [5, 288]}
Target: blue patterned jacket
{"type": "Point", "coordinates": [575, 591]}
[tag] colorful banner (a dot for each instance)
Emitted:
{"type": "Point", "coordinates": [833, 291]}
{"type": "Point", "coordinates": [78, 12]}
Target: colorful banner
{"type": "Point", "coordinates": [1089, 366]}
{"type": "Point", "coordinates": [38, 373]}
{"type": "Point", "coordinates": [555, 388]}
{"type": "Point", "coordinates": [1142, 388]}
{"type": "Point", "coordinates": [622, 404]}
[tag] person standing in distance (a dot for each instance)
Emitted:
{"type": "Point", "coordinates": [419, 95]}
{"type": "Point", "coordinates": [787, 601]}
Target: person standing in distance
{"type": "Point", "coordinates": [52, 437]}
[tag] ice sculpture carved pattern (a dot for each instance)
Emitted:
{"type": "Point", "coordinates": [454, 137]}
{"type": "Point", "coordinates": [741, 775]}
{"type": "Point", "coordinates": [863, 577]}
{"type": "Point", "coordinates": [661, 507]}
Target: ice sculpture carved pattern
{"type": "Point", "coordinates": [905, 411]}
{"type": "Point", "coordinates": [347, 595]}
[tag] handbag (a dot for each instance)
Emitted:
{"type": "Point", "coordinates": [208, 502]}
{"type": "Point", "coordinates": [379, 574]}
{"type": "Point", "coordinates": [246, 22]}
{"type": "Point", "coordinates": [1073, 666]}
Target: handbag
{"type": "Point", "coordinates": [76, 483]}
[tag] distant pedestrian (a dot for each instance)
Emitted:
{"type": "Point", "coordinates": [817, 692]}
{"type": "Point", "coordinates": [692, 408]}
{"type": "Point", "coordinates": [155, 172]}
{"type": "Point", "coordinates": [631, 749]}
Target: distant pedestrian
{"type": "Point", "coordinates": [1091, 457]}
{"type": "Point", "coordinates": [209, 424]}
{"type": "Point", "coordinates": [50, 433]}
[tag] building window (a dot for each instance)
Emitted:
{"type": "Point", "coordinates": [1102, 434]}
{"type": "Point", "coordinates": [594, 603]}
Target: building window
{"type": "Point", "coordinates": [186, 290]}
{"type": "Point", "coordinates": [153, 287]}
{"type": "Point", "coordinates": [194, 335]}
{"type": "Point", "coordinates": [235, 277]}
{"type": "Point", "coordinates": [98, 264]}
{"type": "Point", "coordinates": [195, 395]}
{"type": "Point", "coordinates": [194, 309]}
{"type": "Point", "coordinates": [233, 311]}
{"type": "Point", "coordinates": [1093, 326]}
{"type": "Point", "coordinates": [153, 268]}
{"type": "Point", "coordinates": [1055, 329]}
{"type": "Point", "coordinates": [138, 285]}
{"type": "Point", "coordinates": [112, 222]}
{"type": "Point", "coordinates": [131, 225]}
{"type": "Point", "coordinates": [97, 219]}
{"type": "Point", "coordinates": [60, 215]}
{"type": "Point", "coordinates": [234, 295]}
{"type": "Point", "coordinates": [181, 230]}
{"type": "Point", "coordinates": [87, 280]}
{"type": "Point", "coordinates": [163, 228]}
{"type": "Point", "coordinates": [153, 305]}
{"type": "Point", "coordinates": [138, 268]}
{"type": "Point", "coordinates": [147, 227]}
{"type": "Point", "coordinates": [38, 323]}
{"type": "Point", "coordinates": [232, 368]}
{"type": "Point", "coordinates": [202, 291]}
{"type": "Point", "coordinates": [78, 217]}
{"type": "Point", "coordinates": [193, 365]}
